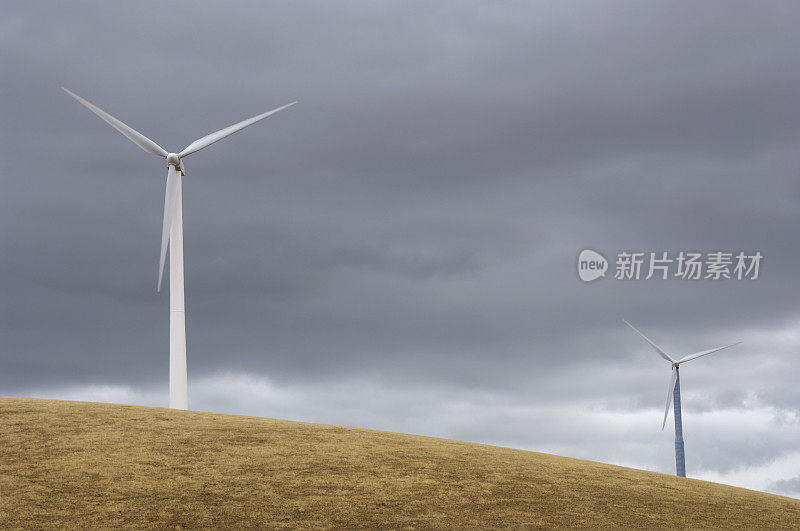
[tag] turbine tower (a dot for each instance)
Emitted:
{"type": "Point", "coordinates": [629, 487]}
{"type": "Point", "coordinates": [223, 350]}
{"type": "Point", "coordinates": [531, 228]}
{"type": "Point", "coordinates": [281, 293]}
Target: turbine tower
{"type": "Point", "coordinates": [172, 233]}
{"type": "Point", "coordinates": [674, 395]}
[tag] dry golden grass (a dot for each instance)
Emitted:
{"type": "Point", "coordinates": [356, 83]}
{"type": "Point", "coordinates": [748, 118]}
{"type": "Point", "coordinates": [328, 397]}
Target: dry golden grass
{"type": "Point", "coordinates": [78, 464]}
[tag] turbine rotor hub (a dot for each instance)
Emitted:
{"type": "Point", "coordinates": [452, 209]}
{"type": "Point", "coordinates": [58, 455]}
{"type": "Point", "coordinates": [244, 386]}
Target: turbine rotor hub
{"type": "Point", "coordinates": [173, 160]}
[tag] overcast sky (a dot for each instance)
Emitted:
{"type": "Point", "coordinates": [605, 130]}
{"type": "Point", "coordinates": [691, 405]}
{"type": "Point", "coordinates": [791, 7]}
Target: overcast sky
{"type": "Point", "coordinates": [398, 251]}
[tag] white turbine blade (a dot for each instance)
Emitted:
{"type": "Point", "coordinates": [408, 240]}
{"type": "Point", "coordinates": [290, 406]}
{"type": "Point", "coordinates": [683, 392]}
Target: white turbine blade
{"type": "Point", "coordinates": [138, 138]}
{"type": "Point", "coordinates": [656, 347]}
{"type": "Point", "coordinates": [169, 210]}
{"type": "Point", "coordinates": [207, 140]}
{"type": "Point", "coordinates": [669, 395]}
{"type": "Point", "coordinates": [704, 352]}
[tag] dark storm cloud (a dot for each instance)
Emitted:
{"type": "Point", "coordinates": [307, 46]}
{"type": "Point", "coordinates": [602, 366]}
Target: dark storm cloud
{"type": "Point", "coordinates": [415, 219]}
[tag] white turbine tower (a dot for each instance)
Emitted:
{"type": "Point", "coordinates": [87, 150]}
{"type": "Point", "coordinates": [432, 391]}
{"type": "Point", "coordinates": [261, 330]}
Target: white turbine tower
{"type": "Point", "coordinates": [674, 393]}
{"type": "Point", "coordinates": [172, 233]}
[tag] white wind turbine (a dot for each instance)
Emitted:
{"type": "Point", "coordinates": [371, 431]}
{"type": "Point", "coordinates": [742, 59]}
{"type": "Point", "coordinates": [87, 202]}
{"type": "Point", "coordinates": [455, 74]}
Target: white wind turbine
{"type": "Point", "coordinates": [172, 233]}
{"type": "Point", "coordinates": [674, 393]}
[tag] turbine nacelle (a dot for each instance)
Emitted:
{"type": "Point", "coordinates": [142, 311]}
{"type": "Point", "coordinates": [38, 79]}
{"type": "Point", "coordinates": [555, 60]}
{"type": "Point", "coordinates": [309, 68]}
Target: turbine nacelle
{"type": "Point", "coordinates": [173, 159]}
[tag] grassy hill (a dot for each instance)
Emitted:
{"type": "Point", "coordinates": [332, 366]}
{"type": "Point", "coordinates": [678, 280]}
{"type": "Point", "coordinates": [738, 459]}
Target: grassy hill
{"type": "Point", "coordinates": [69, 464]}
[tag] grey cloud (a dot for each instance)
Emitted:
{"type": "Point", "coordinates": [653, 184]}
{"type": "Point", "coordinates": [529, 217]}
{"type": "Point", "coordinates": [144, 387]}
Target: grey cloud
{"type": "Point", "coordinates": [791, 486]}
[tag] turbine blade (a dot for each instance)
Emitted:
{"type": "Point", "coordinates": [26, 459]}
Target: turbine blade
{"type": "Point", "coordinates": [207, 140]}
{"type": "Point", "coordinates": [656, 347]}
{"type": "Point", "coordinates": [169, 210]}
{"type": "Point", "coordinates": [670, 390]}
{"type": "Point", "coordinates": [704, 352]}
{"type": "Point", "coordinates": [138, 138]}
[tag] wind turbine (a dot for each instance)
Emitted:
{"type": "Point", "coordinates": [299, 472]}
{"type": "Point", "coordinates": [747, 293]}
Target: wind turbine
{"type": "Point", "coordinates": [674, 392]}
{"type": "Point", "coordinates": [172, 233]}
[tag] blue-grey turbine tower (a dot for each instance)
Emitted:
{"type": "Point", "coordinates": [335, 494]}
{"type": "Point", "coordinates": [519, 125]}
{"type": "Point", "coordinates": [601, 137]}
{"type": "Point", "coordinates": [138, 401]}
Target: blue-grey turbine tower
{"type": "Point", "coordinates": [674, 395]}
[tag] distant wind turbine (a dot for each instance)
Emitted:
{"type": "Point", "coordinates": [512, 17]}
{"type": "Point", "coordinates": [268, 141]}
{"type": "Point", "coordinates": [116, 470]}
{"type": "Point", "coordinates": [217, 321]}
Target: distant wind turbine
{"type": "Point", "coordinates": [172, 233]}
{"type": "Point", "coordinates": [674, 392]}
